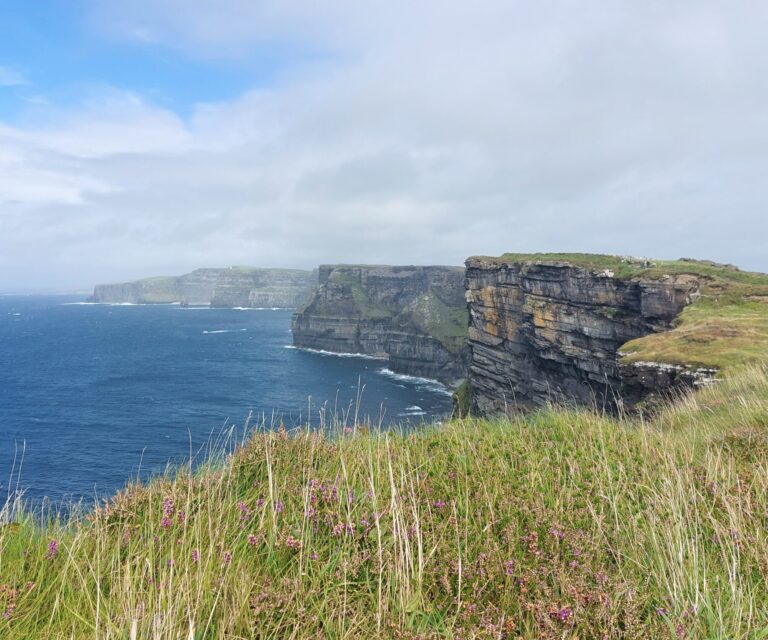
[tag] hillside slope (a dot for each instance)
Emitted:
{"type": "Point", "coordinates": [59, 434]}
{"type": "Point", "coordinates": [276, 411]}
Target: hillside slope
{"type": "Point", "coordinates": [559, 524]}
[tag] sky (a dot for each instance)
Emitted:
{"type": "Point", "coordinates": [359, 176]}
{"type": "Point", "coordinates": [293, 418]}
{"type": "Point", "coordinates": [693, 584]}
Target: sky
{"type": "Point", "coordinates": [152, 137]}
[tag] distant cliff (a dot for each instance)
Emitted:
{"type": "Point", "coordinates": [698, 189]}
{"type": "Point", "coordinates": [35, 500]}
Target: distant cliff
{"type": "Point", "coordinates": [414, 316]}
{"type": "Point", "coordinates": [227, 287]}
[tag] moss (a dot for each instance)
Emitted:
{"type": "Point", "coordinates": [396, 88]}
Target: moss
{"type": "Point", "coordinates": [434, 317]}
{"type": "Point", "coordinates": [462, 400]}
{"type": "Point", "coordinates": [366, 308]}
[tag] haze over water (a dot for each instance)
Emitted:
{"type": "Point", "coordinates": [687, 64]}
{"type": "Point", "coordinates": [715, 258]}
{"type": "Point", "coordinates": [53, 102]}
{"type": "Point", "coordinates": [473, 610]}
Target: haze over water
{"type": "Point", "coordinates": [98, 393]}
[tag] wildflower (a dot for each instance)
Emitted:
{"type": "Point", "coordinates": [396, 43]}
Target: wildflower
{"type": "Point", "coordinates": [53, 549]}
{"type": "Point", "coordinates": [260, 502]}
{"type": "Point", "coordinates": [509, 567]}
{"type": "Point", "coordinates": [279, 506]}
{"type": "Point", "coordinates": [168, 507]}
{"type": "Point", "coordinates": [245, 512]}
{"type": "Point", "coordinates": [313, 556]}
{"type": "Point", "coordinates": [195, 555]}
{"type": "Point", "coordinates": [439, 504]}
{"type": "Point", "coordinates": [556, 533]}
{"type": "Point", "coordinates": [182, 517]}
{"type": "Point", "coordinates": [563, 615]}
{"type": "Point", "coordinates": [343, 528]}
{"type": "Point", "coordinates": [292, 543]}
{"type": "Point", "coordinates": [661, 611]}
{"type": "Point", "coordinates": [166, 522]}
{"type": "Point", "coordinates": [169, 562]}
{"type": "Point", "coordinates": [253, 540]}
{"type": "Point", "coordinates": [227, 558]}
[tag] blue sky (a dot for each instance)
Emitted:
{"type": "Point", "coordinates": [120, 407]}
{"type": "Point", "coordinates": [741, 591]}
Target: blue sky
{"type": "Point", "coordinates": [62, 57]}
{"type": "Point", "coordinates": [147, 137]}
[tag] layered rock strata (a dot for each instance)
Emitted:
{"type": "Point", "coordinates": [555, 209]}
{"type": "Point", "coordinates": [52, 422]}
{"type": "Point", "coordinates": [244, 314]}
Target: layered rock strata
{"type": "Point", "coordinates": [653, 382]}
{"type": "Point", "coordinates": [228, 287]}
{"type": "Point", "coordinates": [414, 316]}
{"type": "Point", "coordinates": [544, 331]}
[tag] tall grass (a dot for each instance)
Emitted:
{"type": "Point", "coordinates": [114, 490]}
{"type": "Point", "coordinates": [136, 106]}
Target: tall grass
{"type": "Point", "coordinates": [559, 524]}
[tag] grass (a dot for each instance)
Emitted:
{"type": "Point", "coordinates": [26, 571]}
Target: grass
{"type": "Point", "coordinates": [560, 524]}
{"type": "Point", "coordinates": [708, 334]}
{"type": "Point", "coordinates": [726, 327]}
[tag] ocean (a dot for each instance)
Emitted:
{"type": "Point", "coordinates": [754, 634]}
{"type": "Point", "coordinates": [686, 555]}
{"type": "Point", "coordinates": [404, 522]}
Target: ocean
{"type": "Point", "coordinates": [94, 395]}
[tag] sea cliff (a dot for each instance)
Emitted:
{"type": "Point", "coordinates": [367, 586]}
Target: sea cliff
{"type": "Point", "coordinates": [227, 287]}
{"type": "Point", "coordinates": [588, 329]}
{"type": "Point", "coordinates": [414, 316]}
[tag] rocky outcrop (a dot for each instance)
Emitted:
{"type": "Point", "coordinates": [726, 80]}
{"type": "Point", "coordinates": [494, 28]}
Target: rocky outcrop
{"type": "Point", "coordinates": [654, 382]}
{"type": "Point", "coordinates": [548, 330]}
{"type": "Point", "coordinates": [416, 317]}
{"type": "Point", "coordinates": [229, 287]}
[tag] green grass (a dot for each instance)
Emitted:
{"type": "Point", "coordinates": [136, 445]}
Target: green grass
{"type": "Point", "coordinates": [561, 524]}
{"type": "Point", "coordinates": [709, 334]}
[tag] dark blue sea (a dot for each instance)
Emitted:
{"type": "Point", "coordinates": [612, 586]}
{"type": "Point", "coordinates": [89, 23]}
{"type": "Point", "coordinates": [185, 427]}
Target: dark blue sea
{"type": "Point", "coordinates": [94, 395]}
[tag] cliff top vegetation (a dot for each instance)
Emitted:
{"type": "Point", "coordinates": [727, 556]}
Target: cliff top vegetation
{"type": "Point", "coordinates": [725, 327]}
{"type": "Point", "coordinates": [558, 524]}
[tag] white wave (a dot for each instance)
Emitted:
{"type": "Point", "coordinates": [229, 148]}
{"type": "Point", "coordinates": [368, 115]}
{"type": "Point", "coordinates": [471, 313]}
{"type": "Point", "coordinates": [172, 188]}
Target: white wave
{"type": "Point", "coordinates": [410, 414]}
{"type": "Point", "coordinates": [432, 385]}
{"type": "Point", "coordinates": [413, 408]}
{"type": "Point", "coordinates": [122, 304]}
{"type": "Point", "coordinates": [338, 354]}
{"type": "Point", "coordinates": [259, 308]}
{"type": "Point", "coordinates": [224, 330]}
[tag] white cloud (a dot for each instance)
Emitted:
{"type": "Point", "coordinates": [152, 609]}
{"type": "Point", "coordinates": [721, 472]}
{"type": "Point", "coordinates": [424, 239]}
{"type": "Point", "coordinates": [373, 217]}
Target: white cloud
{"type": "Point", "coordinates": [434, 131]}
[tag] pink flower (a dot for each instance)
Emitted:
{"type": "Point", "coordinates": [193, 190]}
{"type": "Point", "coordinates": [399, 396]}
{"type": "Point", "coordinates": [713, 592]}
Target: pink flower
{"type": "Point", "coordinates": [292, 543]}
{"type": "Point", "coordinates": [53, 549]}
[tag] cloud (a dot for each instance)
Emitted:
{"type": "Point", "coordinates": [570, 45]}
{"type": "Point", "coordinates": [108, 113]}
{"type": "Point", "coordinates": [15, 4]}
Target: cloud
{"type": "Point", "coordinates": [430, 132]}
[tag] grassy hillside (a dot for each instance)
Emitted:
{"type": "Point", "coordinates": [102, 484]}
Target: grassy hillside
{"type": "Point", "coordinates": [726, 327]}
{"type": "Point", "coordinates": [562, 524]}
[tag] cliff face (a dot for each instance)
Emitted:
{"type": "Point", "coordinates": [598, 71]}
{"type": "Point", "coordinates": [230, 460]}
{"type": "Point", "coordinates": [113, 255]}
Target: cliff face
{"type": "Point", "coordinates": [231, 287]}
{"type": "Point", "coordinates": [547, 330]}
{"type": "Point", "coordinates": [414, 316]}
